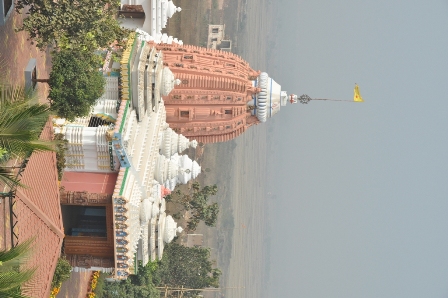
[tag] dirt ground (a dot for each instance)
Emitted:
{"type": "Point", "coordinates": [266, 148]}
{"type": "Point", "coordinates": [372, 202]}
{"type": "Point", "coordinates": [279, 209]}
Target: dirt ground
{"type": "Point", "coordinates": [16, 50]}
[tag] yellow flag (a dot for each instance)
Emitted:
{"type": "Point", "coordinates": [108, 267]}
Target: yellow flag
{"type": "Point", "coordinates": [357, 97]}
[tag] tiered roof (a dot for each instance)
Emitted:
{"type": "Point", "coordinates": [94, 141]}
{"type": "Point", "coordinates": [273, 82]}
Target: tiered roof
{"type": "Point", "coordinates": [39, 216]}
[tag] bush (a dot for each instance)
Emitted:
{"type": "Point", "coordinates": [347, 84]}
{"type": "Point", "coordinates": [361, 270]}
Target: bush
{"type": "Point", "coordinates": [61, 273]}
{"type": "Point", "coordinates": [61, 147]}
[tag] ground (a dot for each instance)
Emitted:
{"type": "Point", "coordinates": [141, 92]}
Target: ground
{"type": "Point", "coordinates": [76, 286]}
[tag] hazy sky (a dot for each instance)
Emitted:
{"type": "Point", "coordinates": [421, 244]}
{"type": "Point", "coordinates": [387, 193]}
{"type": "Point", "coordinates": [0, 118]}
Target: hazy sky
{"type": "Point", "coordinates": [362, 188]}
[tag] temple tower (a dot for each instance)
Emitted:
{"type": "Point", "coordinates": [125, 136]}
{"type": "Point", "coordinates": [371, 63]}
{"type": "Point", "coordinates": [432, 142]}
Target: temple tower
{"type": "Point", "coordinates": [218, 96]}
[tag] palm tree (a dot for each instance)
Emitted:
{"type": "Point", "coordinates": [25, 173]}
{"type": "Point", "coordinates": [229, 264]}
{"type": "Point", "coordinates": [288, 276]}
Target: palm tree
{"type": "Point", "coordinates": [20, 123]}
{"type": "Point", "coordinates": [11, 274]}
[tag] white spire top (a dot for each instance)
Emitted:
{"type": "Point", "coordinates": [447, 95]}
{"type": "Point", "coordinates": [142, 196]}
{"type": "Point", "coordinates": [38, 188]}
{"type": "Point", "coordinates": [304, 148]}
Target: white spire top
{"type": "Point", "coordinates": [270, 98]}
{"type": "Point", "coordinates": [171, 9]}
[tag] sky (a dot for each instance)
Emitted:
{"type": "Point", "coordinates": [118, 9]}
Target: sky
{"type": "Point", "coordinates": [362, 190]}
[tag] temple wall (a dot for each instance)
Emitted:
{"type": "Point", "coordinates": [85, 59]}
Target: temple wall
{"type": "Point", "coordinates": [87, 261]}
{"type": "Point", "coordinates": [89, 182]}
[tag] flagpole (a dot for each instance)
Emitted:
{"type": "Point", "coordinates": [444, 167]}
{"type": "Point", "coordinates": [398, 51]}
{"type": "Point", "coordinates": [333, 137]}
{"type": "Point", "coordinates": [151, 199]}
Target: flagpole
{"type": "Point", "coordinates": [304, 99]}
{"type": "Point", "coordinates": [333, 99]}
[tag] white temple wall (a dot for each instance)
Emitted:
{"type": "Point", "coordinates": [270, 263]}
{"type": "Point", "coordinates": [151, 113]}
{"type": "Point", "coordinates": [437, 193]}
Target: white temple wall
{"type": "Point", "coordinates": [87, 149]}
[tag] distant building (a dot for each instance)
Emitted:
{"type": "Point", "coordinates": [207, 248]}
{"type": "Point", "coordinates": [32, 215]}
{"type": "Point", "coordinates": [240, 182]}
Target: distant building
{"type": "Point", "coordinates": [216, 39]}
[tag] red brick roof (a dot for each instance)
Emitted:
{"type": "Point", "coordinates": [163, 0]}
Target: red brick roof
{"type": "Point", "coordinates": [39, 215]}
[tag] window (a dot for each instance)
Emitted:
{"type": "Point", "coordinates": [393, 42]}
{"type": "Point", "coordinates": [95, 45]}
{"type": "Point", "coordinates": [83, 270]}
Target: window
{"type": "Point", "coordinates": [228, 112]}
{"type": "Point", "coordinates": [214, 39]}
{"type": "Point", "coordinates": [215, 30]}
{"type": "Point", "coordinates": [185, 114]}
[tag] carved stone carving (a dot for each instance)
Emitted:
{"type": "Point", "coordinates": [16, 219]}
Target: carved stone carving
{"type": "Point", "coordinates": [84, 198]}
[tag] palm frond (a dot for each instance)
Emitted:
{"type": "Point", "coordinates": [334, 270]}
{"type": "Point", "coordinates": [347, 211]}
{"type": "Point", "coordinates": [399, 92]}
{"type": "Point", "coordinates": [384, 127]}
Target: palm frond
{"type": "Point", "coordinates": [22, 249]}
{"type": "Point", "coordinates": [13, 294]}
{"type": "Point", "coordinates": [11, 279]}
{"type": "Point", "coordinates": [9, 179]}
{"type": "Point", "coordinates": [20, 124]}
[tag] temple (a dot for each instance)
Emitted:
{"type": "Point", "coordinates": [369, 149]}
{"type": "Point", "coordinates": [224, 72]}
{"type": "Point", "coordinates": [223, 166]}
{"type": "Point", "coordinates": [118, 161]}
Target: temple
{"type": "Point", "coordinates": [121, 161]}
{"type": "Point", "coordinates": [129, 153]}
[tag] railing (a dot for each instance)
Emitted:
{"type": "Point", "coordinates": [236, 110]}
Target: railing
{"type": "Point", "coordinates": [11, 196]}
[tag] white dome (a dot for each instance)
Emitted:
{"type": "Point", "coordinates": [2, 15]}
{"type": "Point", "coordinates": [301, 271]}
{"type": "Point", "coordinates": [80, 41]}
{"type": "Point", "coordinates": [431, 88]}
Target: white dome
{"type": "Point", "coordinates": [155, 210]}
{"type": "Point", "coordinates": [186, 162]}
{"type": "Point", "coordinates": [170, 229]}
{"type": "Point", "coordinates": [194, 144]}
{"type": "Point", "coordinates": [196, 169]}
{"type": "Point", "coordinates": [269, 99]}
{"type": "Point", "coordinates": [145, 211]}
{"type": "Point", "coordinates": [171, 9]}
{"type": "Point", "coordinates": [168, 81]}
{"type": "Point", "coordinates": [185, 169]}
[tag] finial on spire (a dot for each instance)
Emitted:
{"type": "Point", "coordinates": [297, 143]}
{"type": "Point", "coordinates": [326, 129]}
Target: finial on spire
{"type": "Point", "coordinates": [304, 99]}
{"type": "Point", "coordinates": [293, 98]}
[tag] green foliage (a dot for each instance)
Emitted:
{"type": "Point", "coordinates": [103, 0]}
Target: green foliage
{"type": "Point", "coordinates": [11, 275]}
{"type": "Point", "coordinates": [137, 286]}
{"type": "Point", "coordinates": [188, 266]}
{"type": "Point", "coordinates": [61, 147]}
{"type": "Point", "coordinates": [100, 285]}
{"type": "Point", "coordinates": [20, 125]}
{"type": "Point", "coordinates": [3, 154]}
{"type": "Point", "coordinates": [81, 25]}
{"type": "Point", "coordinates": [75, 83]}
{"type": "Point", "coordinates": [61, 273]}
{"type": "Point", "coordinates": [197, 202]}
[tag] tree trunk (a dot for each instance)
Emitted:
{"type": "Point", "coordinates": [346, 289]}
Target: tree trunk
{"type": "Point", "coordinates": [41, 80]}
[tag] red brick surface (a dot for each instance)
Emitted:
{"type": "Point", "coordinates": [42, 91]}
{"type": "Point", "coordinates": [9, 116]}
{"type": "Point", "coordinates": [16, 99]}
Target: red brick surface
{"type": "Point", "coordinates": [39, 215]}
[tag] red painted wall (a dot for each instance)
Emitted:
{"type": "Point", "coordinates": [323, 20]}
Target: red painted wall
{"type": "Point", "coordinates": [90, 182]}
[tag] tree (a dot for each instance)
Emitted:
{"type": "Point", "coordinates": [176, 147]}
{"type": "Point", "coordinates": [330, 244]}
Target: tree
{"type": "Point", "coordinates": [140, 285]}
{"type": "Point", "coordinates": [12, 276]}
{"type": "Point", "coordinates": [61, 273]}
{"type": "Point", "coordinates": [197, 202]}
{"type": "Point", "coordinates": [20, 124]}
{"type": "Point", "coordinates": [189, 267]}
{"type": "Point", "coordinates": [82, 25]}
{"type": "Point", "coordinates": [75, 83]}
